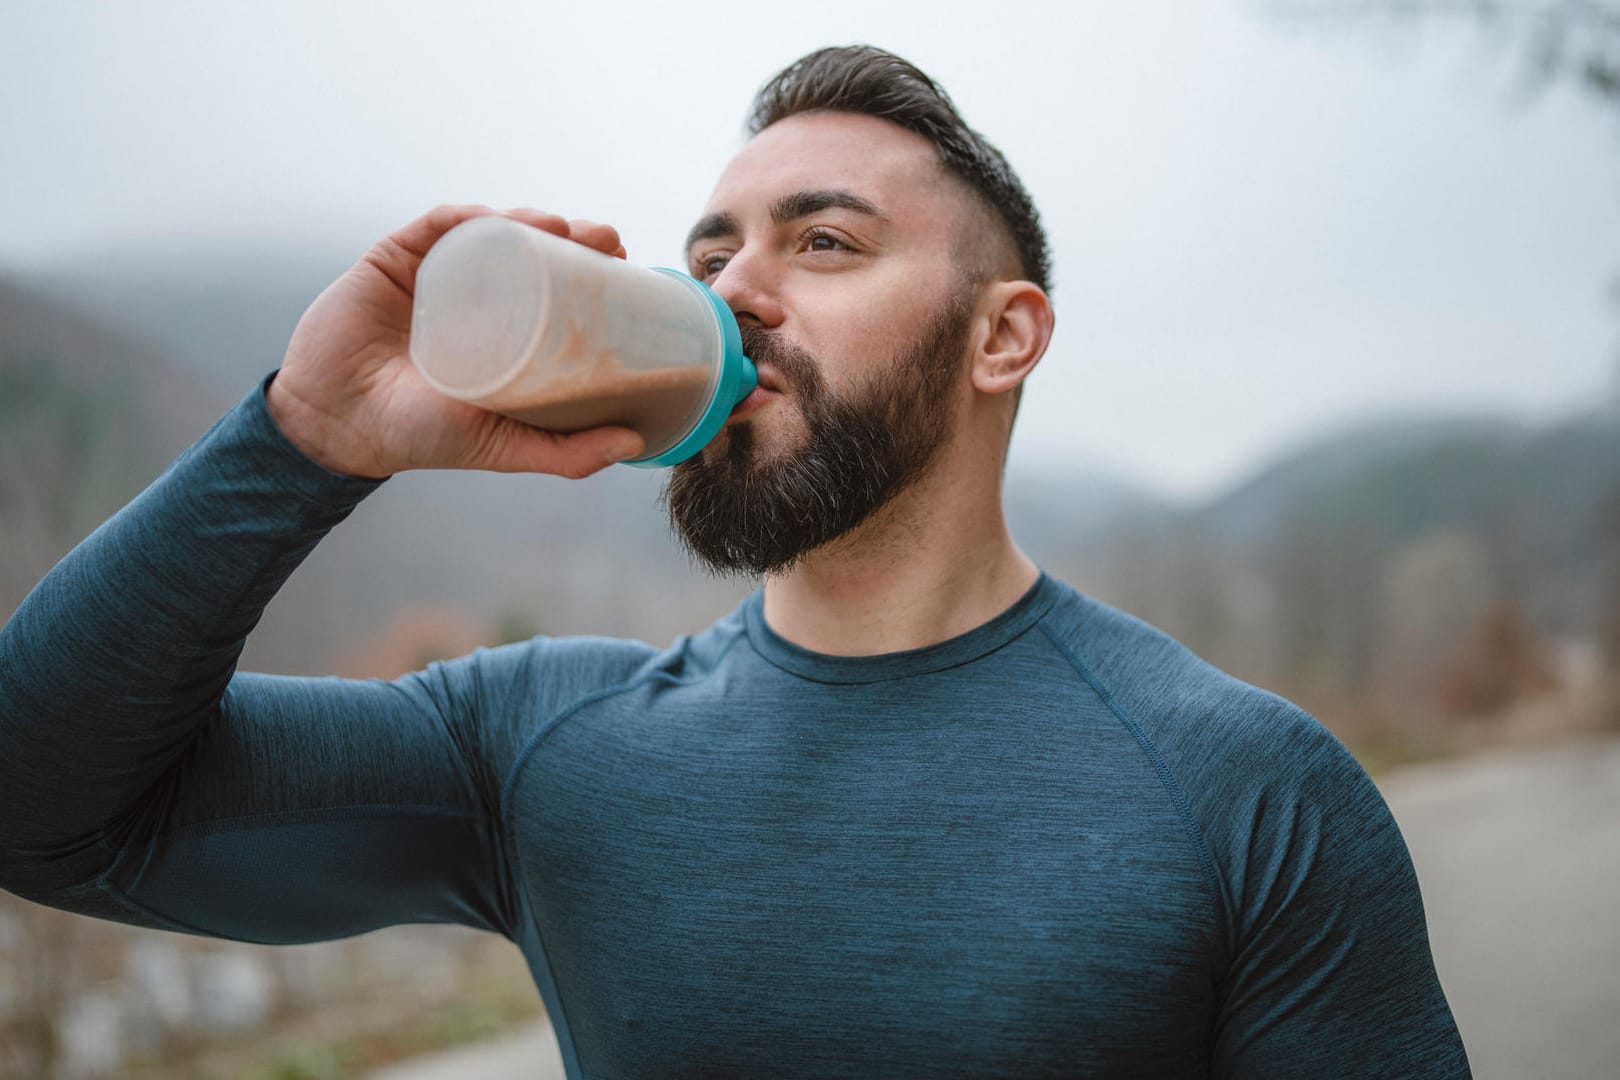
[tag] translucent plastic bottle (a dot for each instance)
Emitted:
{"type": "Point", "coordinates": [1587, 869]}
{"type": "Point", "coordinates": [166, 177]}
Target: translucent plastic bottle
{"type": "Point", "coordinates": [550, 332]}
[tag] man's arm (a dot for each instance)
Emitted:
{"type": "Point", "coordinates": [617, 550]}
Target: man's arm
{"type": "Point", "coordinates": [142, 780]}
{"type": "Point", "coordinates": [1330, 971]}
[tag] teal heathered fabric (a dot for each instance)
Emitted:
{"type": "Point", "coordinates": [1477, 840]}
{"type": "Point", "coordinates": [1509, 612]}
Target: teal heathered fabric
{"type": "Point", "coordinates": [1058, 845]}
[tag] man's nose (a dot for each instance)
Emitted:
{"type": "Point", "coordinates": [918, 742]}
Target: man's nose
{"type": "Point", "coordinates": [750, 288]}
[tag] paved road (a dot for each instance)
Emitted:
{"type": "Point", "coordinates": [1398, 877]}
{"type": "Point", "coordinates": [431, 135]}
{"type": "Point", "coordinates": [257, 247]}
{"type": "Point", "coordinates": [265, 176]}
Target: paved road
{"type": "Point", "coordinates": [1519, 858]}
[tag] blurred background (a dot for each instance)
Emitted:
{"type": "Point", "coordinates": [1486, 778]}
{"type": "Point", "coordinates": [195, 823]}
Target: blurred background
{"type": "Point", "coordinates": [1334, 399]}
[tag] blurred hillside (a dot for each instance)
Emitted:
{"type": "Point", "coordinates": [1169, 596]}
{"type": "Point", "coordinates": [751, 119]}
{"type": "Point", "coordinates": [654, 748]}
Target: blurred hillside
{"type": "Point", "coordinates": [87, 416]}
{"type": "Point", "coordinates": [1394, 576]}
{"type": "Point", "coordinates": [1401, 574]}
{"type": "Point", "coordinates": [106, 410]}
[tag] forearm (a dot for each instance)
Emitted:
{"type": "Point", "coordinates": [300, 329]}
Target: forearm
{"type": "Point", "coordinates": [121, 654]}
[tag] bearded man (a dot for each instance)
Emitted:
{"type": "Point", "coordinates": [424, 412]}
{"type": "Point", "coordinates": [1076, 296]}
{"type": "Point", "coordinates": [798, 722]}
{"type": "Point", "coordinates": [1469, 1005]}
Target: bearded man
{"type": "Point", "coordinates": [915, 809]}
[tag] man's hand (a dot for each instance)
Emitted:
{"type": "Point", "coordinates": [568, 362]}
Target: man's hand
{"type": "Point", "coordinates": [348, 395]}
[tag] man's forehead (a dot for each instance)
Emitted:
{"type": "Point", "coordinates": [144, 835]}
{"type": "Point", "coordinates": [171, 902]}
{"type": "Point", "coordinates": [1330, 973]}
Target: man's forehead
{"type": "Point", "coordinates": [873, 159]}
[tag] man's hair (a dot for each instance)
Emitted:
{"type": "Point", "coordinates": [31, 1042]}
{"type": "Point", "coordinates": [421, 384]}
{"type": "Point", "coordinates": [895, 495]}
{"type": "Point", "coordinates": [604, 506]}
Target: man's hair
{"type": "Point", "coordinates": [870, 81]}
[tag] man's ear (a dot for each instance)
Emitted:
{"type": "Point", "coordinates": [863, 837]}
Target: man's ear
{"type": "Point", "coordinates": [1015, 320]}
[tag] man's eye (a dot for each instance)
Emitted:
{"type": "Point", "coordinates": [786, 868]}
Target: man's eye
{"type": "Point", "coordinates": [709, 266]}
{"type": "Point", "coordinates": [824, 241]}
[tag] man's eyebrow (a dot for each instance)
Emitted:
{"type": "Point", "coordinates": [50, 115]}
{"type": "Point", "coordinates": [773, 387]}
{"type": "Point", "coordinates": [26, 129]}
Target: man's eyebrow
{"type": "Point", "coordinates": [711, 226]}
{"type": "Point", "coordinates": [787, 208]}
{"type": "Point", "coordinates": [802, 203]}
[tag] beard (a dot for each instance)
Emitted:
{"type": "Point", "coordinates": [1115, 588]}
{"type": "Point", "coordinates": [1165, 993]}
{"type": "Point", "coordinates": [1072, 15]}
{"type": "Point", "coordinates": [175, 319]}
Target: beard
{"type": "Point", "coordinates": [741, 515]}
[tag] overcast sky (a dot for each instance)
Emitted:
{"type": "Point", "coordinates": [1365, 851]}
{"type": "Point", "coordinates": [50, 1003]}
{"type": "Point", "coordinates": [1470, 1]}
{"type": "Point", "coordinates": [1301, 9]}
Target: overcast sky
{"type": "Point", "coordinates": [1259, 233]}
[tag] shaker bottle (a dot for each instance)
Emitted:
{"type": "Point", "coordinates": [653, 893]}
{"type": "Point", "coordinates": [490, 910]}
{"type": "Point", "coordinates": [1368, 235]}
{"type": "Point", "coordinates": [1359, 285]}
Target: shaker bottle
{"type": "Point", "coordinates": [548, 331]}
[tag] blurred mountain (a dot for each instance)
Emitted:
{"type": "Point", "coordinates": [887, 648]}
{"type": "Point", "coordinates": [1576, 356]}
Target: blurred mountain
{"type": "Point", "coordinates": [88, 416]}
{"type": "Point", "coordinates": [1365, 472]}
{"type": "Point", "coordinates": [1358, 566]}
{"type": "Point", "coordinates": [1377, 566]}
{"type": "Point", "coordinates": [223, 313]}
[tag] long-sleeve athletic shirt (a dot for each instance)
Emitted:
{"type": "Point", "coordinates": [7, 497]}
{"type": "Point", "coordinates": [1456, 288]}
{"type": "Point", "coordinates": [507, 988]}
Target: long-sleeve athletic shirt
{"type": "Point", "coordinates": [1056, 845]}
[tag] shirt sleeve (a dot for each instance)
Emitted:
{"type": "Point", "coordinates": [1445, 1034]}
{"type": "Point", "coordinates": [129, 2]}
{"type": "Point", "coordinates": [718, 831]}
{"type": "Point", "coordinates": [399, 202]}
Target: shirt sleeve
{"type": "Point", "coordinates": [1330, 971]}
{"type": "Point", "coordinates": [143, 779]}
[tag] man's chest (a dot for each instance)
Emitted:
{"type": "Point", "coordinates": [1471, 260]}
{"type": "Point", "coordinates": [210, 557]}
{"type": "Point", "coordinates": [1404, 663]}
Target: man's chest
{"type": "Point", "coordinates": [756, 895]}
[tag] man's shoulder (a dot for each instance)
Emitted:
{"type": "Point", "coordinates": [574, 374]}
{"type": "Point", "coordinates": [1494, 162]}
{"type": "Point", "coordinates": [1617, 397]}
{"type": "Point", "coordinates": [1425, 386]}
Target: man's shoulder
{"type": "Point", "coordinates": [1172, 698]}
{"type": "Point", "coordinates": [587, 661]}
{"type": "Point", "coordinates": [556, 672]}
{"type": "Point", "coordinates": [510, 695]}
{"type": "Point", "coordinates": [1257, 776]}
{"type": "Point", "coordinates": [1140, 665]}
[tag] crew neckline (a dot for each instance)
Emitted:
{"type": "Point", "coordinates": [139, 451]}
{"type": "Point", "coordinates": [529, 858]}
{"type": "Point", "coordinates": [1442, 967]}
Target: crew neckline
{"type": "Point", "coordinates": [980, 641]}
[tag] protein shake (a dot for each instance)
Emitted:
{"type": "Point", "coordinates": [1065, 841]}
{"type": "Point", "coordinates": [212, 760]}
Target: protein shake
{"type": "Point", "coordinates": [545, 330]}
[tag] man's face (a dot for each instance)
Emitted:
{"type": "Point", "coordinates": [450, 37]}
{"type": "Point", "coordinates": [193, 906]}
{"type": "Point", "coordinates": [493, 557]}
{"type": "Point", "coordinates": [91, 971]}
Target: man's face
{"type": "Point", "coordinates": [831, 237]}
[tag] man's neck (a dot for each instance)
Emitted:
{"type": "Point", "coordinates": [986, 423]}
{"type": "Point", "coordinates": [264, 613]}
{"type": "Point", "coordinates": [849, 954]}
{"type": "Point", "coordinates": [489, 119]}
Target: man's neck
{"type": "Point", "coordinates": [933, 564]}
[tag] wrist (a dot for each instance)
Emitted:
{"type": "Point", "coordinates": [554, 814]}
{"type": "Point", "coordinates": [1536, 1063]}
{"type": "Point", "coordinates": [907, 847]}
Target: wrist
{"type": "Point", "coordinates": [308, 429]}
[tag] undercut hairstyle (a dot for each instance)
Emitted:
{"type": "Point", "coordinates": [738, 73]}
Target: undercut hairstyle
{"type": "Point", "coordinates": [873, 82]}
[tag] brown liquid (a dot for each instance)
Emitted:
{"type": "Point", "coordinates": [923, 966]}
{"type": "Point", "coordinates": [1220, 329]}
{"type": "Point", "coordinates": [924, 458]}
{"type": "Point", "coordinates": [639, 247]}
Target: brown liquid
{"type": "Point", "coordinates": [659, 403]}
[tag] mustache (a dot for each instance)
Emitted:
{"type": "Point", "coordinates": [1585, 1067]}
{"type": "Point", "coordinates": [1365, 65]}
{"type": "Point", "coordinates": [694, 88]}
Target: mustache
{"type": "Point", "coordinates": [799, 370]}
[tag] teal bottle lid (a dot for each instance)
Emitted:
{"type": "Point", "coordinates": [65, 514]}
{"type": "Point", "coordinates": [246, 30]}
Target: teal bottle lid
{"type": "Point", "coordinates": [737, 380]}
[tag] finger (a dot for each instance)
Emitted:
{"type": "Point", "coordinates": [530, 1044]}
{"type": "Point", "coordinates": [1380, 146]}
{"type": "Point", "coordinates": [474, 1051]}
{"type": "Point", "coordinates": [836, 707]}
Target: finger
{"type": "Point", "coordinates": [577, 455]}
{"type": "Point", "coordinates": [399, 254]}
{"type": "Point", "coordinates": [551, 223]}
{"type": "Point", "coordinates": [424, 232]}
{"type": "Point", "coordinates": [593, 234]}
